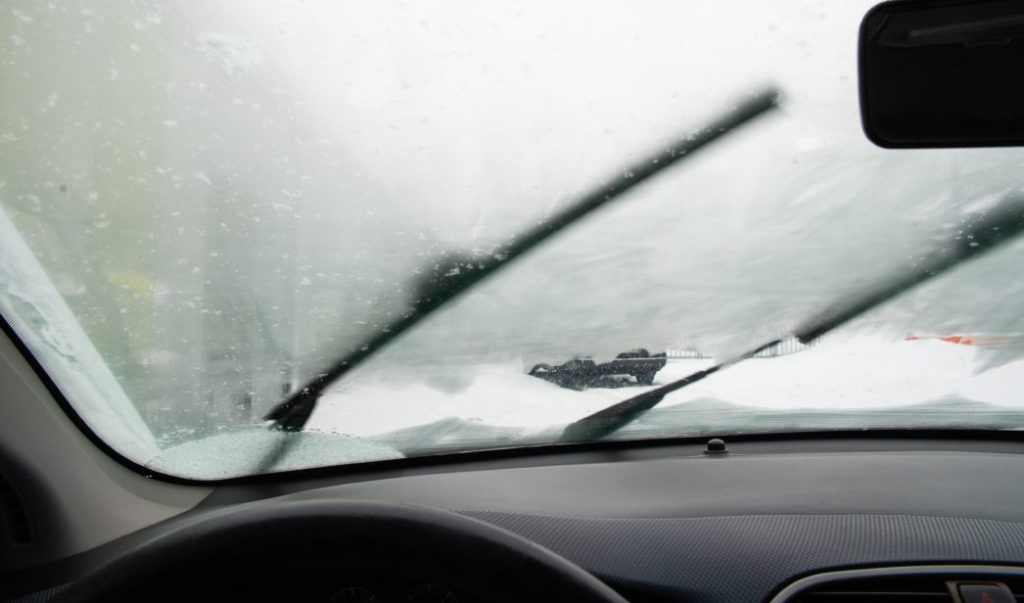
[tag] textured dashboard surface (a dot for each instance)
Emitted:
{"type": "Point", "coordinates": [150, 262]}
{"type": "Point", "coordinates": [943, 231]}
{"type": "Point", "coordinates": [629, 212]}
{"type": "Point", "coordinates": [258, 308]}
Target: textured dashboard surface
{"type": "Point", "coordinates": [945, 484]}
{"type": "Point", "coordinates": [748, 558]}
{"type": "Point", "coordinates": [739, 528]}
{"type": "Point", "coordinates": [671, 524]}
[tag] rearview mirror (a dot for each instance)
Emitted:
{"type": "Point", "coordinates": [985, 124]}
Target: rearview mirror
{"type": "Point", "coordinates": [943, 73]}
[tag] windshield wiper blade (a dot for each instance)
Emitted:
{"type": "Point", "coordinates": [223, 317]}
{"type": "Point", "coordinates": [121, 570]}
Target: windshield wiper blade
{"type": "Point", "coordinates": [454, 275]}
{"type": "Point", "coordinates": [982, 233]}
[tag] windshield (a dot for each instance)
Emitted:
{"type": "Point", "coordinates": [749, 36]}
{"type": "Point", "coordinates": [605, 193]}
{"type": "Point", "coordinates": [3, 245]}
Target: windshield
{"type": "Point", "coordinates": [203, 206]}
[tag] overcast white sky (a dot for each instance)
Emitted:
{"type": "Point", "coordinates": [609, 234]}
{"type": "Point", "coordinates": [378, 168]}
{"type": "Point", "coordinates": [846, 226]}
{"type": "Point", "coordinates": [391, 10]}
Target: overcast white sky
{"type": "Point", "coordinates": [485, 106]}
{"type": "Point", "coordinates": [480, 118]}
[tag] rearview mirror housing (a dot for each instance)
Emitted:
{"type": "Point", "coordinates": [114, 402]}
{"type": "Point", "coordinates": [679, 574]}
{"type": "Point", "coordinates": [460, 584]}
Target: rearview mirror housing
{"type": "Point", "coordinates": [943, 73]}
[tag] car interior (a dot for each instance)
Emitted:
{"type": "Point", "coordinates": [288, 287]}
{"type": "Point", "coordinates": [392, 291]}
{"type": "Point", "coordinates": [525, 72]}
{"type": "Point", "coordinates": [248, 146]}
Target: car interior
{"type": "Point", "coordinates": [619, 503]}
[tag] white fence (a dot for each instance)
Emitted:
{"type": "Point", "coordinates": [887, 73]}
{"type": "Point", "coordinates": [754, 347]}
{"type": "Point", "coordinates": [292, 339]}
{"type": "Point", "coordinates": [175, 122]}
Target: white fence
{"type": "Point", "coordinates": [785, 347]}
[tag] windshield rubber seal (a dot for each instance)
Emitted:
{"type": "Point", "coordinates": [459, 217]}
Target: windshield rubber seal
{"type": "Point", "coordinates": [76, 419]}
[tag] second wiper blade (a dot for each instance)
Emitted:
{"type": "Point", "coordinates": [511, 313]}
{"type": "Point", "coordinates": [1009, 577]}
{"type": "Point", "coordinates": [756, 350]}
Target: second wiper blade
{"type": "Point", "coordinates": [453, 278]}
{"type": "Point", "coordinates": [984, 232]}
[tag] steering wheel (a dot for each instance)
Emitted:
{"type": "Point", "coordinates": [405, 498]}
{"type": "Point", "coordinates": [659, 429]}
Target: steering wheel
{"type": "Point", "coordinates": [306, 550]}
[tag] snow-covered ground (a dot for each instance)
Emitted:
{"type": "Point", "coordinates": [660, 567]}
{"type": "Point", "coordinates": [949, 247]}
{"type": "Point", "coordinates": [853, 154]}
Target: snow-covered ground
{"type": "Point", "coordinates": [860, 374]}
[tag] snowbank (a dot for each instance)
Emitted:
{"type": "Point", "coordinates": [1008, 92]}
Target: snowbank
{"type": "Point", "coordinates": [865, 374]}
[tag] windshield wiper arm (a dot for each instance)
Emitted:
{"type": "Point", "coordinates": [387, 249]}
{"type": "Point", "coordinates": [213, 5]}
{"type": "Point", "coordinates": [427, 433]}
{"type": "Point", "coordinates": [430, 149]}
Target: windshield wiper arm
{"type": "Point", "coordinates": [455, 276]}
{"type": "Point", "coordinates": [984, 232]}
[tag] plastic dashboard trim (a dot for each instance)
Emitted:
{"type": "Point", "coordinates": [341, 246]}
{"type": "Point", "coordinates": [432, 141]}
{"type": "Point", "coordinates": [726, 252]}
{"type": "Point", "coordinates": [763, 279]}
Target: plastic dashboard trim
{"type": "Point", "coordinates": [812, 581]}
{"type": "Point", "coordinates": [748, 558]}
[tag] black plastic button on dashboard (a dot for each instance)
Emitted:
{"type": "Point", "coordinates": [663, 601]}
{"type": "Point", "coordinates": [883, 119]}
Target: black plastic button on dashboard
{"type": "Point", "coordinates": [991, 592]}
{"type": "Point", "coordinates": [715, 446]}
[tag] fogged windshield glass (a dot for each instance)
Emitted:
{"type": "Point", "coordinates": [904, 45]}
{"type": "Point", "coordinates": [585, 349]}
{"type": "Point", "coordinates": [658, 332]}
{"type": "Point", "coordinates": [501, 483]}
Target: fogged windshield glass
{"type": "Point", "coordinates": [205, 205]}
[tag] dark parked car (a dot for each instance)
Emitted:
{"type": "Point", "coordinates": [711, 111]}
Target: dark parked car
{"type": "Point", "coordinates": [635, 367]}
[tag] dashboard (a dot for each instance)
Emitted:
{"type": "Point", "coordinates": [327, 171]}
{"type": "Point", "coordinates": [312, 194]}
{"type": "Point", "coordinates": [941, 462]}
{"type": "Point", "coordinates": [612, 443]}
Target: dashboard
{"type": "Point", "coordinates": [660, 522]}
{"type": "Point", "coordinates": [385, 589]}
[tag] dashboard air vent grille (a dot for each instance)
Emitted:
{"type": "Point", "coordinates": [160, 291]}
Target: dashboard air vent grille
{"type": "Point", "coordinates": [930, 588]}
{"type": "Point", "coordinates": [903, 589]}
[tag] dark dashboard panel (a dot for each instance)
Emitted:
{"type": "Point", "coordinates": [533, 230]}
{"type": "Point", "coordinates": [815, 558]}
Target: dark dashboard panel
{"type": "Point", "coordinates": [669, 523]}
{"type": "Point", "coordinates": [739, 527]}
{"type": "Point", "coordinates": [962, 484]}
{"type": "Point", "coordinates": [747, 558]}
